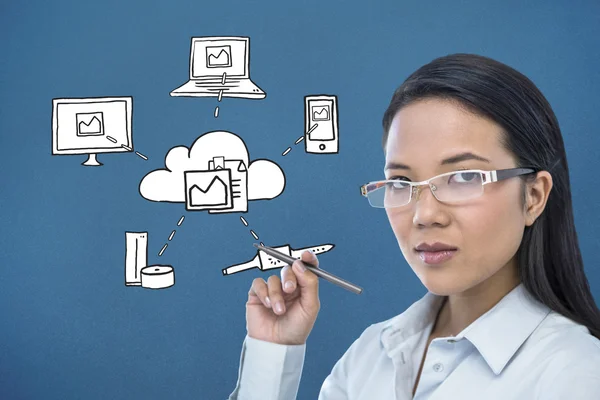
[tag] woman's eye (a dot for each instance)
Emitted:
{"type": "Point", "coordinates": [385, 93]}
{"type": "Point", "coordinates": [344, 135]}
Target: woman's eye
{"type": "Point", "coordinates": [466, 177]}
{"type": "Point", "coordinates": [398, 178]}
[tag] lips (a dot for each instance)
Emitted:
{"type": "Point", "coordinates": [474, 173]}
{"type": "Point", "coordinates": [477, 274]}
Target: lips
{"type": "Point", "coordinates": [437, 246]}
{"type": "Point", "coordinates": [435, 253]}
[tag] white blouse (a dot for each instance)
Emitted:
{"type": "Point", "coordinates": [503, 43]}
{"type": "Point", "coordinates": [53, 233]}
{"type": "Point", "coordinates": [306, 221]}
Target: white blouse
{"type": "Point", "coordinates": [519, 349]}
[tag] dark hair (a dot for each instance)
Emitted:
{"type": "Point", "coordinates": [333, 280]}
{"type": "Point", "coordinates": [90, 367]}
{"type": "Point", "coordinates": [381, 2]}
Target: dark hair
{"type": "Point", "coordinates": [549, 259]}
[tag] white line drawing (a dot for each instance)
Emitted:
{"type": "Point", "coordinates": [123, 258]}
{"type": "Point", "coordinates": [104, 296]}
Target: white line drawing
{"type": "Point", "coordinates": [137, 271]}
{"type": "Point", "coordinates": [218, 56]}
{"type": "Point", "coordinates": [254, 234]}
{"type": "Point", "coordinates": [136, 256]}
{"type": "Point", "coordinates": [92, 125]}
{"type": "Point", "coordinates": [214, 174]}
{"type": "Point", "coordinates": [321, 124]}
{"type": "Point", "coordinates": [208, 190]}
{"type": "Point", "coordinates": [160, 253]}
{"type": "Point", "coordinates": [301, 138]}
{"type": "Point", "coordinates": [180, 220]}
{"type": "Point", "coordinates": [244, 221]}
{"type": "Point", "coordinates": [171, 235]}
{"type": "Point", "coordinates": [217, 112]}
{"type": "Point", "coordinates": [141, 155]}
{"type": "Point", "coordinates": [220, 66]}
{"type": "Point", "coordinates": [264, 261]}
{"type": "Point", "coordinates": [158, 276]}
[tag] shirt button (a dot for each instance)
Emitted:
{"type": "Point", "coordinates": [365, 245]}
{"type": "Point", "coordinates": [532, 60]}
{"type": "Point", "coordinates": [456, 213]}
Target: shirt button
{"type": "Point", "coordinates": [438, 367]}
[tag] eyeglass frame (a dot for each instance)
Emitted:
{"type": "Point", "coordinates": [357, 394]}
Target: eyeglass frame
{"type": "Point", "coordinates": [490, 176]}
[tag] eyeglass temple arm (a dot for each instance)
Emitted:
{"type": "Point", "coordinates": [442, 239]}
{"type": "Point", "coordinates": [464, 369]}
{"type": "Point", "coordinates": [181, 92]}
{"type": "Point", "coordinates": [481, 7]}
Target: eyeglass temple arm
{"type": "Point", "coordinates": [365, 189]}
{"type": "Point", "coordinates": [509, 173]}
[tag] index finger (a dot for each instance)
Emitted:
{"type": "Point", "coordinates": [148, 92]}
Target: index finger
{"type": "Point", "coordinates": [309, 257]}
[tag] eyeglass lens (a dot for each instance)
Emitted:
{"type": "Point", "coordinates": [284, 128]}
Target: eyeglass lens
{"type": "Point", "coordinates": [452, 188]}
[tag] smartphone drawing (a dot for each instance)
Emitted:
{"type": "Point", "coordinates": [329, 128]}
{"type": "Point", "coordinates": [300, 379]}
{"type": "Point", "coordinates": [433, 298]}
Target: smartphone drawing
{"type": "Point", "coordinates": [321, 132]}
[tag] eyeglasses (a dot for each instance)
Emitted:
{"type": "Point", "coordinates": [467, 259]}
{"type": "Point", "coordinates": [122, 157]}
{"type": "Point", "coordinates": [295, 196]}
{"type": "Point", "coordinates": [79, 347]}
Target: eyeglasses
{"type": "Point", "coordinates": [451, 187]}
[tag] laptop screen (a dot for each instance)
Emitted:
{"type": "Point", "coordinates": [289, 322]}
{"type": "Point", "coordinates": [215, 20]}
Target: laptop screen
{"type": "Point", "coordinates": [212, 56]}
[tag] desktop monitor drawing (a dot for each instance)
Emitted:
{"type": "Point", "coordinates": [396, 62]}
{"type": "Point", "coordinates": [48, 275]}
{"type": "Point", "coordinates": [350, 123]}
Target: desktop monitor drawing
{"type": "Point", "coordinates": [91, 126]}
{"type": "Point", "coordinates": [220, 67]}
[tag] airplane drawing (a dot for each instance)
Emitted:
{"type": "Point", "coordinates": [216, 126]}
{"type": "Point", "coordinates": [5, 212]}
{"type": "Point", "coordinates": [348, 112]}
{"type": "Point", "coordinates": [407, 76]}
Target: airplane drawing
{"type": "Point", "coordinates": [264, 261]}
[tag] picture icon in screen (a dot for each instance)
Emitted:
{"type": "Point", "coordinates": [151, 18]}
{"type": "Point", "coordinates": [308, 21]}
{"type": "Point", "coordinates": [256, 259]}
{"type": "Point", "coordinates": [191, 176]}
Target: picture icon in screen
{"type": "Point", "coordinates": [218, 56]}
{"type": "Point", "coordinates": [89, 124]}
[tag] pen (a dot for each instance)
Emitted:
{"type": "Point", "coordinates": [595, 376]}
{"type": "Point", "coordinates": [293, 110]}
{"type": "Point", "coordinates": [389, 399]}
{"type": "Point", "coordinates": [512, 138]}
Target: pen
{"type": "Point", "coordinates": [317, 271]}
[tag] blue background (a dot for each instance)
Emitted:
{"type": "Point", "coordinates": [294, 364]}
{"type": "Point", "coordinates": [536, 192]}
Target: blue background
{"type": "Point", "coordinates": [71, 329]}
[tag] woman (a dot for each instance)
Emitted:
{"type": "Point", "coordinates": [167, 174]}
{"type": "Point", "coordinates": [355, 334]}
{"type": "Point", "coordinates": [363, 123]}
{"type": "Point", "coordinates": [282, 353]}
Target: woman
{"type": "Point", "coordinates": [477, 193]}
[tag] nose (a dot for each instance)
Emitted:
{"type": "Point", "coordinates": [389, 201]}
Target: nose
{"type": "Point", "coordinates": [417, 190]}
{"type": "Point", "coordinates": [428, 210]}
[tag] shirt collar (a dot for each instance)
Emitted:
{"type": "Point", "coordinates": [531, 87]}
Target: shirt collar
{"type": "Point", "coordinates": [498, 334]}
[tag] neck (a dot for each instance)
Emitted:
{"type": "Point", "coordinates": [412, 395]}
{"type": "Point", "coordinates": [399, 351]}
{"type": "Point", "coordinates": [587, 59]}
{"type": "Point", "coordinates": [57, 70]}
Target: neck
{"type": "Point", "coordinates": [462, 309]}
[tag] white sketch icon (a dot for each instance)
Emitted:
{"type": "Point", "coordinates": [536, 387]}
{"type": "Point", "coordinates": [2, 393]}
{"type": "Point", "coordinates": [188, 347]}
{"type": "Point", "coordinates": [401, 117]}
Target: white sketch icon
{"type": "Point", "coordinates": [264, 261]}
{"type": "Point", "coordinates": [238, 187]}
{"type": "Point", "coordinates": [157, 276]}
{"type": "Point", "coordinates": [218, 56]}
{"type": "Point", "coordinates": [136, 256]}
{"type": "Point", "coordinates": [320, 113]}
{"type": "Point", "coordinates": [321, 124]}
{"type": "Point", "coordinates": [90, 123]}
{"type": "Point", "coordinates": [214, 174]}
{"type": "Point", "coordinates": [208, 190]}
{"type": "Point", "coordinates": [220, 67]}
{"type": "Point", "coordinates": [137, 272]}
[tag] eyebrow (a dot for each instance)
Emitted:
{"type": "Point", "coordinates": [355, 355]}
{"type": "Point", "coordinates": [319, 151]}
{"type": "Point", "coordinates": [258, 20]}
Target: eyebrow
{"type": "Point", "coordinates": [451, 160]}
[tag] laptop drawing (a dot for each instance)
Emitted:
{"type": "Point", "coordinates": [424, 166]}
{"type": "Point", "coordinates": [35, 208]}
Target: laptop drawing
{"type": "Point", "coordinates": [220, 67]}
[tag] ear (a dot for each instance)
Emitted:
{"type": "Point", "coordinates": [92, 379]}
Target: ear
{"type": "Point", "coordinates": [537, 193]}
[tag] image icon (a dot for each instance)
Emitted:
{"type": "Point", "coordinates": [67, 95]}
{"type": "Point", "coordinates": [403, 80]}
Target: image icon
{"type": "Point", "coordinates": [218, 56]}
{"type": "Point", "coordinates": [208, 189]}
{"type": "Point", "coordinates": [90, 123]}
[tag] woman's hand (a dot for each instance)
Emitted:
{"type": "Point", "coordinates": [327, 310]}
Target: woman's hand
{"type": "Point", "coordinates": [281, 313]}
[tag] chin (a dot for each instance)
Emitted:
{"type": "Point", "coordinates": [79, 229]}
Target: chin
{"type": "Point", "coordinates": [441, 284]}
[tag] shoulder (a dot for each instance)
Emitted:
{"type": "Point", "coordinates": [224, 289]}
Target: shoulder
{"type": "Point", "coordinates": [572, 358]}
{"type": "Point", "coordinates": [569, 340]}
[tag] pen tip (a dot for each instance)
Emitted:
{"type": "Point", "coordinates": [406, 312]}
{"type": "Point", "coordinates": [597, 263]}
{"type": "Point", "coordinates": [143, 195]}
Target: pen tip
{"type": "Point", "coordinates": [255, 245]}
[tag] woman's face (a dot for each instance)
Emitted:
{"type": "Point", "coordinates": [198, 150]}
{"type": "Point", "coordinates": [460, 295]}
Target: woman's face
{"type": "Point", "coordinates": [486, 230]}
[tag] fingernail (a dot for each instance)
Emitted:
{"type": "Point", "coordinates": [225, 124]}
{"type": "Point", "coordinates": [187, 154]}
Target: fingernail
{"type": "Point", "coordinates": [278, 307]}
{"type": "Point", "coordinates": [268, 301]}
{"type": "Point", "coordinates": [289, 285]}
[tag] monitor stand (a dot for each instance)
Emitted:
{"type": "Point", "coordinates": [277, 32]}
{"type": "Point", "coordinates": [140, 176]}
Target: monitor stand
{"type": "Point", "coordinates": [92, 161]}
